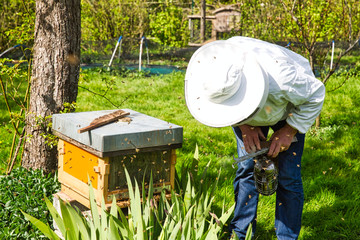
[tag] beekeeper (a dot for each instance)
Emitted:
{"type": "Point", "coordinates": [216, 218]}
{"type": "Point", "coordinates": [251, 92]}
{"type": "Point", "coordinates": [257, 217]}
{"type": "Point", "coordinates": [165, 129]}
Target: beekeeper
{"type": "Point", "coordinates": [252, 86]}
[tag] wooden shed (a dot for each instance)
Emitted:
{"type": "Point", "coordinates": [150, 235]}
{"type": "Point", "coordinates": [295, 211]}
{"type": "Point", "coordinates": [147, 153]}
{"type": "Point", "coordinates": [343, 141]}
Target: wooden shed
{"type": "Point", "coordinates": [226, 19]}
{"type": "Point", "coordinates": [223, 20]}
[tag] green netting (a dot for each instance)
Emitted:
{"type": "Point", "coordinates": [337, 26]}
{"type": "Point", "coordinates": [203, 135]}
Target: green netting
{"type": "Point", "coordinates": [151, 69]}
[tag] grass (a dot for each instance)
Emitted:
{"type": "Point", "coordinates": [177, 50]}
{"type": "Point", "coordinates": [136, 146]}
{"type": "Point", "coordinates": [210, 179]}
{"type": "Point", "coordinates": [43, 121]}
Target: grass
{"type": "Point", "coordinates": [330, 160]}
{"type": "Point", "coordinates": [14, 79]}
{"type": "Point", "coordinates": [331, 157]}
{"type": "Point", "coordinates": [5, 143]}
{"type": "Point", "coordinates": [330, 171]}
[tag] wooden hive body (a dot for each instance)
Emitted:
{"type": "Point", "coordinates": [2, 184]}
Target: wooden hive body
{"type": "Point", "coordinates": [144, 146]}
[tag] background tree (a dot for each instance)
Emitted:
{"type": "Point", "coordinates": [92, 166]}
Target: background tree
{"type": "Point", "coordinates": [55, 74]}
{"type": "Point", "coordinates": [314, 21]}
{"type": "Point", "coordinates": [103, 20]}
{"type": "Point", "coordinates": [311, 22]}
{"type": "Point", "coordinates": [169, 26]}
{"type": "Point", "coordinates": [16, 23]}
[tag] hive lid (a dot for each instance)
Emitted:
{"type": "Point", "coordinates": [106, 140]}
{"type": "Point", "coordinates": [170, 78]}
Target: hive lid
{"type": "Point", "coordinates": [142, 132]}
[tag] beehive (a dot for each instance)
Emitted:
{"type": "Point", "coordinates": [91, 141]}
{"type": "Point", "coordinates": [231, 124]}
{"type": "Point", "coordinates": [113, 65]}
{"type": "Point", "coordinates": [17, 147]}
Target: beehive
{"type": "Point", "coordinates": [144, 146]}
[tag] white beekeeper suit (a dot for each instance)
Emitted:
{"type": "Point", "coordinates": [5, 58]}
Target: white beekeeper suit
{"type": "Point", "coordinates": [252, 86]}
{"type": "Point", "coordinates": [291, 80]}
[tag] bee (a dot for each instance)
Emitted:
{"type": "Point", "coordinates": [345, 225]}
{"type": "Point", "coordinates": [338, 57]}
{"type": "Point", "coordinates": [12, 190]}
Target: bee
{"type": "Point", "coordinates": [268, 109]}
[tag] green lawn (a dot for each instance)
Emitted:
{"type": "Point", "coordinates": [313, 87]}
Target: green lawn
{"type": "Point", "coordinates": [330, 162]}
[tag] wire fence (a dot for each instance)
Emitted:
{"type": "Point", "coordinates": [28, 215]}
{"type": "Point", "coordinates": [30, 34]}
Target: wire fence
{"type": "Point", "coordinates": [129, 50]}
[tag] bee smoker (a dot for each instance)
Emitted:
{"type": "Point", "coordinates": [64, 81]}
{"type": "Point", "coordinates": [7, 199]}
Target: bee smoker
{"type": "Point", "coordinates": [265, 175]}
{"type": "Point", "coordinates": [265, 170]}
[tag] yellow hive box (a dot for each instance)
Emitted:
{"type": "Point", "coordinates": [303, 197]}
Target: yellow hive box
{"type": "Point", "coordinates": [143, 147]}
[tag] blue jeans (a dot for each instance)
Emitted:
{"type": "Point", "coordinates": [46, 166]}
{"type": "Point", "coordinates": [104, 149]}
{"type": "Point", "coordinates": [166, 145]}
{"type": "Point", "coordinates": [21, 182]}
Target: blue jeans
{"type": "Point", "coordinates": [289, 194]}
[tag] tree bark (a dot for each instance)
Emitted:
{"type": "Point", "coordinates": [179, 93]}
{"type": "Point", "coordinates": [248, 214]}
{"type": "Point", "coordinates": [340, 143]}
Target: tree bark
{"type": "Point", "coordinates": [55, 74]}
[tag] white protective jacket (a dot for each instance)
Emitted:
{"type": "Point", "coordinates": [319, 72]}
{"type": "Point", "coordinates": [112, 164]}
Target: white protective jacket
{"type": "Point", "coordinates": [295, 95]}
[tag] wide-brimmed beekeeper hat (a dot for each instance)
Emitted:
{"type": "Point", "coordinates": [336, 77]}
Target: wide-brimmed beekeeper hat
{"type": "Point", "coordinates": [224, 84]}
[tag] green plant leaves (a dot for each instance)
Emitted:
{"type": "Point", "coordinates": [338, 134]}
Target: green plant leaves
{"type": "Point", "coordinates": [184, 216]}
{"type": "Point", "coordinates": [169, 26]}
{"type": "Point", "coordinates": [45, 229]}
{"type": "Point", "coordinates": [24, 189]}
{"type": "Point", "coordinates": [55, 215]}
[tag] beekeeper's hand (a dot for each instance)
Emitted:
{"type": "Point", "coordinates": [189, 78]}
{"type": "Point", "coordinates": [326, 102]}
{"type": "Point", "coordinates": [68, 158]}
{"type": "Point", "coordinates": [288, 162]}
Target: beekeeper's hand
{"type": "Point", "coordinates": [281, 140]}
{"type": "Point", "coordinates": [251, 137]}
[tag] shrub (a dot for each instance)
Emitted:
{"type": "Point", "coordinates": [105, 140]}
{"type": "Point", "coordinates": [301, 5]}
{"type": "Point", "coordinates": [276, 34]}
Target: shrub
{"type": "Point", "coordinates": [169, 27]}
{"type": "Point", "coordinates": [24, 189]}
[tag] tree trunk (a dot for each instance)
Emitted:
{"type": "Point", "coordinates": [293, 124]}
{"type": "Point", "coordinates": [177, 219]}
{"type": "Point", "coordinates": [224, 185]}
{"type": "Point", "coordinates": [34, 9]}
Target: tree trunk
{"type": "Point", "coordinates": [55, 75]}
